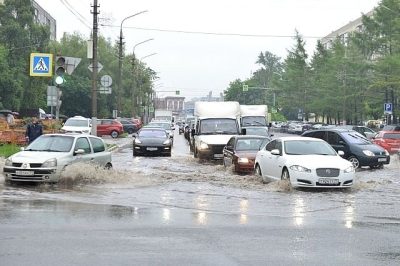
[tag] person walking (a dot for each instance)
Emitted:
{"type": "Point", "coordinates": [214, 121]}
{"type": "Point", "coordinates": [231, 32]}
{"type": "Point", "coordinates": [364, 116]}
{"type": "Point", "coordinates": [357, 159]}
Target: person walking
{"type": "Point", "coordinates": [33, 130]}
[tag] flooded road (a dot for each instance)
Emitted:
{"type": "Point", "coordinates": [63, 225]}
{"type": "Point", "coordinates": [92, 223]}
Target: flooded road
{"type": "Point", "coordinates": [160, 210]}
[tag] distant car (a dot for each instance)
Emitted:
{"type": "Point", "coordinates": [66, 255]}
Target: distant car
{"type": "Point", "coordinates": [365, 131]}
{"type": "Point", "coordinates": [241, 151]}
{"type": "Point", "coordinates": [47, 156]}
{"type": "Point", "coordinates": [162, 124]}
{"type": "Point", "coordinates": [111, 127]}
{"type": "Point", "coordinates": [152, 141]}
{"type": "Point", "coordinates": [259, 131]}
{"type": "Point", "coordinates": [389, 140]}
{"type": "Point", "coordinates": [357, 149]}
{"type": "Point", "coordinates": [305, 162]}
{"type": "Point", "coordinates": [395, 127]}
{"type": "Point", "coordinates": [77, 124]}
{"type": "Point", "coordinates": [129, 126]}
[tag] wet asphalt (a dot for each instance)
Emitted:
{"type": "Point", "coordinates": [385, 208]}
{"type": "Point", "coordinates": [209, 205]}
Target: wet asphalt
{"type": "Point", "coordinates": [168, 211]}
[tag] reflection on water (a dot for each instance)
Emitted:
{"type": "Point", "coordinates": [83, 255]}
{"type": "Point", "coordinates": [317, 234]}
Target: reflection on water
{"type": "Point", "coordinates": [243, 208]}
{"type": "Point", "coordinates": [349, 212]}
{"type": "Point", "coordinates": [201, 218]}
{"type": "Point", "coordinates": [201, 203]}
{"type": "Point", "coordinates": [166, 214]}
{"type": "Point", "coordinates": [299, 211]}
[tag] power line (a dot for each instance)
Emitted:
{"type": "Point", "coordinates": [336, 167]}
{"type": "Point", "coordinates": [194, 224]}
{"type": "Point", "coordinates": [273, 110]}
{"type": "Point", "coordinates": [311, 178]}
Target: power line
{"type": "Point", "coordinates": [215, 33]}
{"type": "Point", "coordinates": [75, 13]}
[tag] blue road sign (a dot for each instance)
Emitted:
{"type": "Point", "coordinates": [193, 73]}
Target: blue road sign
{"type": "Point", "coordinates": [41, 65]}
{"type": "Point", "coordinates": [388, 108]}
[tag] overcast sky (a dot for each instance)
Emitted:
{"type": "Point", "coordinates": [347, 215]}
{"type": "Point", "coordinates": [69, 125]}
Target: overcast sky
{"type": "Point", "coordinates": [198, 63]}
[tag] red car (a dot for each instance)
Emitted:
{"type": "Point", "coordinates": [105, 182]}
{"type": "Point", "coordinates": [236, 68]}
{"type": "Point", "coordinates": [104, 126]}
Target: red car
{"type": "Point", "coordinates": [110, 127]}
{"type": "Point", "coordinates": [240, 151]}
{"type": "Point", "coordinates": [389, 140]}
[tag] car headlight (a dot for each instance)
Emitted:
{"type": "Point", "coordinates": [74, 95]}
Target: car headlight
{"type": "Point", "coordinates": [50, 163]}
{"type": "Point", "coordinates": [203, 146]}
{"type": "Point", "coordinates": [350, 169]}
{"type": "Point", "coordinates": [137, 141]}
{"type": "Point", "coordinates": [167, 142]}
{"type": "Point", "coordinates": [368, 153]}
{"type": "Point", "coordinates": [300, 168]}
{"type": "Point", "coordinates": [243, 160]}
{"type": "Point", "coordinates": [8, 162]}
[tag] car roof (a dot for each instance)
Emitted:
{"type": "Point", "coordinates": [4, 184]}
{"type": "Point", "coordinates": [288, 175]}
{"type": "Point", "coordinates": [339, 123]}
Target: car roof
{"type": "Point", "coordinates": [298, 138]}
{"type": "Point", "coordinates": [71, 134]}
{"type": "Point", "coordinates": [251, 137]}
{"type": "Point", "coordinates": [152, 128]}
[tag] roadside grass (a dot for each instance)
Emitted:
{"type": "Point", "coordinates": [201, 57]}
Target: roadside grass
{"type": "Point", "coordinates": [8, 149]}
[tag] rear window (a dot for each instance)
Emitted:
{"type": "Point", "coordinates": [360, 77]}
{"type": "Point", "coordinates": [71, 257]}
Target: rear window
{"type": "Point", "coordinates": [391, 136]}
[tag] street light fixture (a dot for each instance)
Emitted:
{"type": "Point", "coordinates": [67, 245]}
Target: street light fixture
{"type": "Point", "coordinates": [120, 59]}
{"type": "Point", "coordinates": [147, 56]}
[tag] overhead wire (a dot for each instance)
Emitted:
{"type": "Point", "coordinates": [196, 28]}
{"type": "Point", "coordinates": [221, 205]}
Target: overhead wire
{"type": "Point", "coordinates": [75, 13]}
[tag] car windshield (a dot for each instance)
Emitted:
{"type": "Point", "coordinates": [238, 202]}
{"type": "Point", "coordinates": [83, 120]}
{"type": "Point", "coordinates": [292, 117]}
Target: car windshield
{"type": "Point", "coordinates": [249, 144]}
{"type": "Point", "coordinates": [254, 121]}
{"type": "Point", "coordinates": [219, 126]}
{"type": "Point", "coordinates": [308, 147]}
{"type": "Point", "coordinates": [76, 123]}
{"type": "Point", "coordinates": [166, 126]}
{"type": "Point", "coordinates": [51, 143]}
{"type": "Point", "coordinates": [152, 134]}
{"type": "Point", "coordinates": [257, 131]}
{"type": "Point", "coordinates": [355, 138]}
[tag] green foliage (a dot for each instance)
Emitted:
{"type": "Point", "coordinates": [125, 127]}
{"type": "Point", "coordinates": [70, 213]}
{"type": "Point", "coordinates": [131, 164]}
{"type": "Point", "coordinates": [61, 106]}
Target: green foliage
{"type": "Point", "coordinates": [7, 150]}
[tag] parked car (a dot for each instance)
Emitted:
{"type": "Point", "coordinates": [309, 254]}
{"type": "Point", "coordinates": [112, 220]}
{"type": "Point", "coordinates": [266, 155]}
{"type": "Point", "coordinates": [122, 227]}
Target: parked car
{"type": "Point", "coordinates": [129, 126]}
{"type": "Point", "coordinates": [111, 127]}
{"type": "Point", "coordinates": [305, 162]}
{"type": "Point", "coordinates": [77, 124]}
{"type": "Point", "coordinates": [365, 131]}
{"type": "Point", "coordinates": [47, 156]}
{"type": "Point", "coordinates": [357, 149]}
{"type": "Point", "coordinates": [389, 140]}
{"type": "Point", "coordinates": [152, 141]}
{"type": "Point", "coordinates": [394, 127]}
{"type": "Point", "coordinates": [241, 151]}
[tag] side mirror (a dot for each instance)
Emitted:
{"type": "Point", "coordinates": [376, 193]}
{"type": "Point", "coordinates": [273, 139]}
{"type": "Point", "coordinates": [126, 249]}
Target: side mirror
{"type": "Point", "coordinates": [79, 151]}
{"type": "Point", "coordinates": [341, 153]}
{"type": "Point", "coordinates": [271, 135]}
{"type": "Point", "coordinates": [134, 135]}
{"type": "Point", "coordinates": [275, 152]}
{"type": "Point", "coordinates": [270, 125]}
{"type": "Point", "coordinates": [243, 131]}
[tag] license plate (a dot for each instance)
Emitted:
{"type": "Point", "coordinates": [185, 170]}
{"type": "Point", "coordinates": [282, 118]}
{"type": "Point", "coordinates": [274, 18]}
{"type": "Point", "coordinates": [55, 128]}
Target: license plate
{"type": "Point", "coordinates": [151, 149]}
{"type": "Point", "coordinates": [381, 159]}
{"type": "Point", "coordinates": [328, 181]}
{"type": "Point", "coordinates": [218, 156]}
{"type": "Point", "coordinates": [24, 173]}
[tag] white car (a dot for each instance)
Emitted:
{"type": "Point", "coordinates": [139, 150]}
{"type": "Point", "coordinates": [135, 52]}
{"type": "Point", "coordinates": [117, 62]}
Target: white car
{"type": "Point", "coordinates": [306, 162]}
{"type": "Point", "coordinates": [77, 124]}
{"type": "Point", "coordinates": [47, 156]}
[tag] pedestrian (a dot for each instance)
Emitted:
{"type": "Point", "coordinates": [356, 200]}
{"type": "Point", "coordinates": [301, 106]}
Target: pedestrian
{"type": "Point", "coordinates": [33, 130]}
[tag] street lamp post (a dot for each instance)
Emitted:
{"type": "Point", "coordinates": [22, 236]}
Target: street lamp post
{"type": "Point", "coordinates": [120, 59]}
{"type": "Point", "coordinates": [135, 74]}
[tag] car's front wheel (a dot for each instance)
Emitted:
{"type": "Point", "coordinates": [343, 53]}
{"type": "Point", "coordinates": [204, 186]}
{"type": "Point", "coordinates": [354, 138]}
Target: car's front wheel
{"type": "Point", "coordinates": [285, 175]}
{"type": "Point", "coordinates": [130, 130]}
{"type": "Point", "coordinates": [114, 134]}
{"type": "Point", "coordinates": [354, 161]}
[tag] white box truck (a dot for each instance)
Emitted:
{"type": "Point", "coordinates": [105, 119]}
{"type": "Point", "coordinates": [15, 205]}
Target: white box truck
{"type": "Point", "coordinates": [163, 115]}
{"type": "Point", "coordinates": [215, 124]}
{"type": "Point", "coordinates": [253, 115]}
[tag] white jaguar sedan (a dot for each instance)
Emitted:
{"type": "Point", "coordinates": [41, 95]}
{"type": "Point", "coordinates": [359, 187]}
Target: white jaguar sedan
{"type": "Point", "coordinates": [47, 156]}
{"type": "Point", "coordinates": [306, 162]}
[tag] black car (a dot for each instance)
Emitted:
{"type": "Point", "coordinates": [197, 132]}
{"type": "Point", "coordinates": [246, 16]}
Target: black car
{"type": "Point", "coordinates": [357, 149]}
{"type": "Point", "coordinates": [152, 141]}
{"type": "Point", "coordinates": [129, 126]}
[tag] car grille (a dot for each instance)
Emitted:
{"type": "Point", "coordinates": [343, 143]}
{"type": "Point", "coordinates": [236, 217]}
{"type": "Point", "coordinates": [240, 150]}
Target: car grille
{"type": "Point", "coordinates": [328, 172]}
{"type": "Point", "coordinates": [217, 149]}
{"type": "Point", "coordinates": [32, 165]}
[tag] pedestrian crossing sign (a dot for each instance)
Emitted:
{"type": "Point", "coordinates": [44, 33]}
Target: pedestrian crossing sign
{"type": "Point", "coordinates": [41, 65]}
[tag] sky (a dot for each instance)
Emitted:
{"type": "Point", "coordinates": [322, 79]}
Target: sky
{"type": "Point", "coordinates": [233, 34]}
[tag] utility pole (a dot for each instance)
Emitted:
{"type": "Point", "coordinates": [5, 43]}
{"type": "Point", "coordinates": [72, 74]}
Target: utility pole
{"type": "Point", "coordinates": [94, 60]}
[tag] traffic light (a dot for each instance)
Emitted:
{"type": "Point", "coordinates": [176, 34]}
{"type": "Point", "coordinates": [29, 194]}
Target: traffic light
{"type": "Point", "coordinates": [59, 69]}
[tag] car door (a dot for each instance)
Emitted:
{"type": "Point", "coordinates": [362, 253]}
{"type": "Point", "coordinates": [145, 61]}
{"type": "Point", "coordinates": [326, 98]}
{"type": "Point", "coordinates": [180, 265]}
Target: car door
{"type": "Point", "coordinates": [87, 155]}
{"type": "Point", "coordinates": [265, 158]}
{"type": "Point", "coordinates": [229, 151]}
{"type": "Point", "coordinates": [337, 142]}
{"type": "Point", "coordinates": [100, 155]}
{"type": "Point", "coordinates": [276, 162]}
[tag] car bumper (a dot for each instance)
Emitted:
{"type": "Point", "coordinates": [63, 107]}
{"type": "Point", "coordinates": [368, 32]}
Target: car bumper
{"type": "Point", "coordinates": [376, 160]}
{"type": "Point", "coordinates": [301, 179]}
{"type": "Point", "coordinates": [152, 150]}
{"type": "Point", "coordinates": [14, 174]}
{"type": "Point", "coordinates": [245, 167]}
